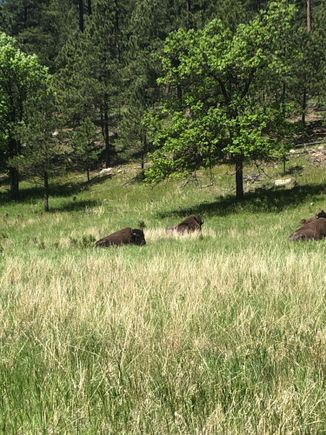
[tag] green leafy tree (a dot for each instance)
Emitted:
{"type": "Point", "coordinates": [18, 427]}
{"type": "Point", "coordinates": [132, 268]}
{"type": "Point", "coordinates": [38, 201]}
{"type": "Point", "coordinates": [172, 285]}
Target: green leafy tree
{"type": "Point", "coordinates": [21, 77]}
{"type": "Point", "coordinates": [148, 26]}
{"type": "Point", "coordinates": [221, 94]}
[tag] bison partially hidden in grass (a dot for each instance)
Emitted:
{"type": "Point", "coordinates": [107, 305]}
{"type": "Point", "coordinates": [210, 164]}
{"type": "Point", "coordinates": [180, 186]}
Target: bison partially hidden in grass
{"type": "Point", "coordinates": [312, 229]}
{"type": "Point", "coordinates": [189, 224]}
{"type": "Point", "coordinates": [126, 236]}
{"type": "Point", "coordinates": [321, 214]}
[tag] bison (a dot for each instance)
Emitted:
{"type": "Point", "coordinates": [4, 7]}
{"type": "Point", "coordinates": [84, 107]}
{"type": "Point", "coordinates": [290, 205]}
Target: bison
{"type": "Point", "coordinates": [321, 214]}
{"type": "Point", "coordinates": [189, 224]}
{"type": "Point", "coordinates": [313, 229]}
{"type": "Point", "coordinates": [126, 236]}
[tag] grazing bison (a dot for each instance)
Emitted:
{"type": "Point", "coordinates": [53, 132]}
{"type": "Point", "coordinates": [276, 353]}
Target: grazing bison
{"type": "Point", "coordinates": [126, 236]}
{"type": "Point", "coordinates": [188, 225]}
{"type": "Point", "coordinates": [313, 229]}
{"type": "Point", "coordinates": [321, 214]}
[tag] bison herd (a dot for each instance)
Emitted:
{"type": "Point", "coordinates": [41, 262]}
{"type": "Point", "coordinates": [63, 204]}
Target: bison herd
{"type": "Point", "coordinates": [313, 228]}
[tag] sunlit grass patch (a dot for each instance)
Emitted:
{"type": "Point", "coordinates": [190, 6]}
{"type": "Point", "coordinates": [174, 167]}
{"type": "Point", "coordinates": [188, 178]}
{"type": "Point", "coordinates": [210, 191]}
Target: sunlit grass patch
{"type": "Point", "coordinates": [221, 331]}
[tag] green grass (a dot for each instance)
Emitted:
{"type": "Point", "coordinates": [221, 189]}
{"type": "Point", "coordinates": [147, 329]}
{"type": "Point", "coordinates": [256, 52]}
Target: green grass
{"type": "Point", "coordinates": [223, 333]}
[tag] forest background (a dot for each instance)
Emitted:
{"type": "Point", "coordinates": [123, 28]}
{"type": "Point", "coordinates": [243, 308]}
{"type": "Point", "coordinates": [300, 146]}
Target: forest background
{"type": "Point", "coordinates": [182, 84]}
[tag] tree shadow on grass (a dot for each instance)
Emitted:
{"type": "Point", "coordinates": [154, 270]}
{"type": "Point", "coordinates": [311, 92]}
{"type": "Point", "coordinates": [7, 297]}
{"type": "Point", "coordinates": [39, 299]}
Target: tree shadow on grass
{"type": "Point", "coordinates": [260, 201]}
{"type": "Point", "coordinates": [85, 205]}
{"type": "Point", "coordinates": [56, 190]}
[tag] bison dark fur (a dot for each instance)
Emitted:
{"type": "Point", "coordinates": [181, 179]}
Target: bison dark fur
{"type": "Point", "coordinates": [312, 230]}
{"type": "Point", "coordinates": [189, 224]}
{"type": "Point", "coordinates": [126, 236]}
{"type": "Point", "coordinates": [321, 214]}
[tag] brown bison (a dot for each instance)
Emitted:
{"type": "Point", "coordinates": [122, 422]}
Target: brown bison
{"type": "Point", "coordinates": [312, 229]}
{"type": "Point", "coordinates": [188, 225]}
{"type": "Point", "coordinates": [321, 214]}
{"type": "Point", "coordinates": [126, 236]}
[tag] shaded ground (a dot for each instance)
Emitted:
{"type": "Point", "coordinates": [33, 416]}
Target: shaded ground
{"type": "Point", "coordinates": [56, 190]}
{"type": "Point", "coordinates": [259, 201]}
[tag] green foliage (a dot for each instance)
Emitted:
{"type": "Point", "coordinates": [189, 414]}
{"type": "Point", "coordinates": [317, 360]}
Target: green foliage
{"type": "Point", "coordinates": [23, 82]}
{"type": "Point", "coordinates": [41, 150]}
{"type": "Point", "coordinates": [39, 26]}
{"type": "Point", "coordinates": [84, 150]}
{"type": "Point", "coordinates": [217, 105]}
{"type": "Point", "coordinates": [231, 61]}
{"type": "Point", "coordinates": [89, 76]}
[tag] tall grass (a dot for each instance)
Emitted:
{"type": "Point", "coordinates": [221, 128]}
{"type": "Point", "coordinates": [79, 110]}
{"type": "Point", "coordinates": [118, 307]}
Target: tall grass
{"type": "Point", "coordinates": [219, 333]}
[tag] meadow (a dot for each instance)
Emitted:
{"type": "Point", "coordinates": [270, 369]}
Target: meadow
{"type": "Point", "coordinates": [223, 332]}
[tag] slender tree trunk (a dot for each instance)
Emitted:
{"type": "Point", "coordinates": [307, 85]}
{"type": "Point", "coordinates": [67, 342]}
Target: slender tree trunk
{"type": "Point", "coordinates": [46, 190]}
{"type": "Point", "coordinates": [89, 7]}
{"type": "Point", "coordinates": [284, 164]}
{"type": "Point", "coordinates": [239, 177]}
{"type": "Point", "coordinates": [304, 96]}
{"type": "Point", "coordinates": [179, 93]}
{"type": "Point", "coordinates": [88, 177]}
{"type": "Point", "coordinates": [189, 23]}
{"type": "Point", "coordinates": [14, 150]}
{"type": "Point", "coordinates": [14, 182]}
{"type": "Point", "coordinates": [117, 28]}
{"type": "Point", "coordinates": [105, 129]}
{"type": "Point", "coordinates": [304, 106]}
{"type": "Point", "coordinates": [283, 98]}
{"type": "Point", "coordinates": [143, 155]}
{"type": "Point", "coordinates": [81, 15]}
{"type": "Point", "coordinates": [308, 15]}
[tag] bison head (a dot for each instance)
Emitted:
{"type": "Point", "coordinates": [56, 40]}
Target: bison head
{"type": "Point", "coordinates": [138, 237]}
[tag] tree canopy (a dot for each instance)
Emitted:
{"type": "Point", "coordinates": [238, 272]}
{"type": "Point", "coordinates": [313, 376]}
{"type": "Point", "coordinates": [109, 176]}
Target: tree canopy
{"type": "Point", "coordinates": [222, 106]}
{"type": "Point", "coordinates": [22, 81]}
{"type": "Point", "coordinates": [177, 85]}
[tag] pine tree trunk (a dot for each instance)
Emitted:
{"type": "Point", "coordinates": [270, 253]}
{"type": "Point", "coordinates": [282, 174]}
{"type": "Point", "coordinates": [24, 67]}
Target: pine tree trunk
{"type": "Point", "coordinates": [239, 177]}
{"type": "Point", "coordinates": [14, 150]}
{"type": "Point", "coordinates": [117, 28]}
{"type": "Point", "coordinates": [304, 106]}
{"type": "Point", "coordinates": [89, 7]}
{"type": "Point", "coordinates": [81, 15]}
{"type": "Point", "coordinates": [144, 151]}
{"type": "Point", "coordinates": [283, 98]}
{"type": "Point", "coordinates": [88, 178]}
{"type": "Point", "coordinates": [105, 130]}
{"type": "Point", "coordinates": [14, 182]}
{"type": "Point", "coordinates": [305, 97]}
{"type": "Point", "coordinates": [189, 7]}
{"type": "Point", "coordinates": [308, 15]}
{"type": "Point", "coordinates": [46, 190]}
{"type": "Point", "coordinates": [284, 164]}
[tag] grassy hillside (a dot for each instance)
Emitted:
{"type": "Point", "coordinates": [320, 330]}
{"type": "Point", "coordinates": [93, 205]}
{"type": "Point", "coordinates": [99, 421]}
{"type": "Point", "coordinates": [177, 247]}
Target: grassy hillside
{"type": "Point", "coordinates": [223, 332]}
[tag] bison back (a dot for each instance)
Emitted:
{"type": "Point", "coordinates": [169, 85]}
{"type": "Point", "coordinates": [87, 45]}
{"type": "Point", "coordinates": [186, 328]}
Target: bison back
{"type": "Point", "coordinates": [121, 237]}
{"type": "Point", "coordinates": [312, 230]}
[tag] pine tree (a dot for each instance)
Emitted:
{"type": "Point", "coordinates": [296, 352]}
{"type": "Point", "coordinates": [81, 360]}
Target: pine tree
{"type": "Point", "coordinates": [84, 149]}
{"type": "Point", "coordinates": [42, 154]}
{"type": "Point", "coordinates": [39, 27]}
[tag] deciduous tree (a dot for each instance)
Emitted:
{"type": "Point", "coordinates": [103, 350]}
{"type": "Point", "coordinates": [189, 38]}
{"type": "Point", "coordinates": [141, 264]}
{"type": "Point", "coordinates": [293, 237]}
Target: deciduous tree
{"type": "Point", "coordinates": [21, 77]}
{"type": "Point", "coordinates": [224, 109]}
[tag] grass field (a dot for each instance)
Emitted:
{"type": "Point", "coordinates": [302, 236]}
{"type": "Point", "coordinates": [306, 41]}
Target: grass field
{"type": "Point", "coordinates": [219, 333]}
